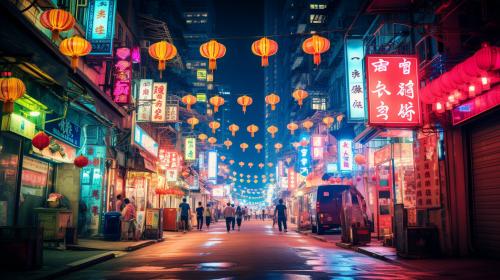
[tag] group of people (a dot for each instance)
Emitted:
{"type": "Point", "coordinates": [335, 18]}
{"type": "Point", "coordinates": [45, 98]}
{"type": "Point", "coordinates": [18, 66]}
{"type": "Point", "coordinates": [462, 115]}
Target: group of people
{"type": "Point", "coordinates": [203, 215]}
{"type": "Point", "coordinates": [128, 217]}
{"type": "Point", "coordinates": [233, 216]}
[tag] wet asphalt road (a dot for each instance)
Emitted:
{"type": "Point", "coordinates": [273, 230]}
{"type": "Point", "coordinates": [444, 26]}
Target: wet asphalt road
{"type": "Point", "coordinates": [256, 252]}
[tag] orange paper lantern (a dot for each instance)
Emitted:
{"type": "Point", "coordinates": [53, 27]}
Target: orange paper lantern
{"type": "Point", "coordinates": [270, 164]}
{"type": "Point", "coordinates": [193, 121]}
{"type": "Point", "coordinates": [233, 128]}
{"type": "Point", "coordinates": [278, 147]}
{"type": "Point", "coordinates": [188, 100]}
{"type": "Point", "coordinates": [328, 121]}
{"type": "Point", "coordinates": [292, 127]}
{"type": "Point", "coordinates": [212, 140]}
{"type": "Point", "coordinates": [231, 161]}
{"type": "Point", "coordinates": [241, 164]}
{"type": "Point", "coordinates": [360, 159]}
{"type": "Point", "coordinates": [272, 99]}
{"type": "Point", "coordinates": [244, 146]}
{"type": "Point", "coordinates": [264, 48]}
{"type": "Point", "coordinates": [212, 50]}
{"type": "Point", "coordinates": [202, 137]}
{"type": "Point", "coordinates": [250, 164]}
{"type": "Point", "coordinates": [216, 101]}
{"type": "Point", "coordinates": [75, 47]}
{"type": "Point", "coordinates": [162, 51]}
{"type": "Point", "coordinates": [223, 158]}
{"type": "Point", "coordinates": [299, 95]}
{"type": "Point", "coordinates": [214, 125]}
{"type": "Point", "coordinates": [316, 45]}
{"type": "Point", "coordinates": [258, 147]}
{"type": "Point", "coordinates": [252, 129]}
{"type": "Point", "coordinates": [272, 129]}
{"type": "Point", "coordinates": [57, 20]}
{"type": "Point", "coordinates": [11, 89]}
{"type": "Point", "coordinates": [296, 145]}
{"type": "Point", "coordinates": [307, 124]}
{"type": "Point", "coordinates": [261, 165]}
{"type": "Point", "coordinates": [245, 101]}
{"type": "Point", "coordinates": [228, 143]}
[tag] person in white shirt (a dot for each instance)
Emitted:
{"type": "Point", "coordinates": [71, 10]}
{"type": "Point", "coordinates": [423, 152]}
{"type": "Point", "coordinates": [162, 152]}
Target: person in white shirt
{"type": "Point", "coordinates": [229, 213]}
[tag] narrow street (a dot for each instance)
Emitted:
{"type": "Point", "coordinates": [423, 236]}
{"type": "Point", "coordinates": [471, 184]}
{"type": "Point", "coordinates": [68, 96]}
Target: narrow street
{"type": "Point", "coordinates": [256, 252]}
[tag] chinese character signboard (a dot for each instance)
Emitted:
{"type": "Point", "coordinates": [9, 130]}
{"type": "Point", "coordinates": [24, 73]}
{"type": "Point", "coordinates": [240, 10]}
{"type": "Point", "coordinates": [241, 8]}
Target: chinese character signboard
{"type": "Point", "coordinates": [64, 130]}
{"type": "Point", "coordinates": [354, 75]}
{"type": "Point", "coordinates": [101, 26]}
{"type": "Point", "coordinates": [144, 141]}
{"type": "Point", "coordinates": [144, 97]}
{"type": "Point", "coordinates": [122, 76]}
{"type": "Point", "coordinates": [292, 179]}
{"type": "Point", "coordinates": [171, 161]}
{"type": "Point", "coordinates": [317, 147]}
{"type": "Point", "coordinates": [393, 98]}
{"type": "Point", "coordinates": [159, 102]}
{"type": "Point", "coordinates": [190, 149]}
{"type": "Point", "coordinates": [345, 155]}
{"type": "Point", "coordinates": [172, 113]}
{"type": "Point", "coordinates": [304, 161]}
{"type": "Point", "coordinates": [212, 165]}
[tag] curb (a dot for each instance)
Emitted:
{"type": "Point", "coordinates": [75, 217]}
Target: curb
{"type": "Point", "coordinates": [142, 245]}
{"type": "Point", "coordinates": [364, 252]}
{"type": "Point", "coordinates": [79, 265]}
{"type": "Point", "coordinates": [126, 249]}
{"type": "Point", "coordinates": [317, 237]}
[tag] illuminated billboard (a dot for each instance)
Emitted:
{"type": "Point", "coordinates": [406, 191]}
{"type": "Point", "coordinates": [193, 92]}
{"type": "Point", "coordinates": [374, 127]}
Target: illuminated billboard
{"type": "Point", "coordinates": [212, 165]}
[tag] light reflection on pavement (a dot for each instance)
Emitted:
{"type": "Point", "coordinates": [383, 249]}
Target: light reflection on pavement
{"type": "Point", "coordinates": [258, 251]}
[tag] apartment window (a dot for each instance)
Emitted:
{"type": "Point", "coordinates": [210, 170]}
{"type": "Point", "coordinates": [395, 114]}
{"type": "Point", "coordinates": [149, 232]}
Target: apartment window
{"type": "Point", "coordinates": [319, 103]}
{"type": "Point", "coordinates": [315, 18]}
{"type": "Point", "coordinates": [317, 6]}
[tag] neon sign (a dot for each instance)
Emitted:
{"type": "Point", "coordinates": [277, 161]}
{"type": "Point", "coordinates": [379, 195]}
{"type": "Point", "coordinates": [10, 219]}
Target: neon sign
{"type": "Point", "coordinates": [101, 26]}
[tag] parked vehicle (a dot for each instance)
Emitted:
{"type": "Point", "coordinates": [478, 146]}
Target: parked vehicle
{"type": "Point", "coordinates": [355, 224]}
{"type": "Point", "coordinates": [325, 204]}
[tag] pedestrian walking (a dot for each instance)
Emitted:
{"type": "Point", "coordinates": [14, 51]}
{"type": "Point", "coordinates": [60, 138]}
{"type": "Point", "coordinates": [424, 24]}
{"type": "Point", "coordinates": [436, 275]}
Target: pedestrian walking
{"type": "Point", "coordinates": [239, 216]}
{"type": "Point", "coordinates": [263, 214]}
{"type": "Point", "coordinates": [199, 216]}
{"type": "Point", "coordinates": [280, 213]}
{"type": "Point", "coordinates": [129, 221]}
{"type": "Point", "coordinates": [208, 216]}
{"type": "Point", "coordinates": [229, 216]}
{"type": "Point", "coordinates": [185, 210]}
{"type": "Point", "coordinates": [233, 222]}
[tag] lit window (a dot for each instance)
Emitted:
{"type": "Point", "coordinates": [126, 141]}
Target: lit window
{"type": "Point", "coordinates": [319, 103]}
{"type": "Point", "coordinates": [188, 21]}
{"type": "Point", "coordinates": [315, 18]}
{"type": "Point", "coordinates": [317, 6]}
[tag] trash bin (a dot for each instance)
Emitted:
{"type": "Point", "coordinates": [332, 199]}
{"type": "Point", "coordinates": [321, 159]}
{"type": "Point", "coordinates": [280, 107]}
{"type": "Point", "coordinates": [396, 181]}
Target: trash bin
{"type": "Point", "coordinates": [112, 226]}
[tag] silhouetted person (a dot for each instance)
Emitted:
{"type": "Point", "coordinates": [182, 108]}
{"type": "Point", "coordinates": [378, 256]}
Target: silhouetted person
{"type": "Point", "coordinates": [199, 216]}
{"type": "Point", "coordinates": [185, 214]}
{"type": "Point", "coordinates": [280, 211]}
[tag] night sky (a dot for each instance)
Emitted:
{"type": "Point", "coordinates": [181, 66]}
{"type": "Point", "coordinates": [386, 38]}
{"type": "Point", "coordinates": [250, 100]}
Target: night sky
{"type": "Point", "coordinates": [240, 70]}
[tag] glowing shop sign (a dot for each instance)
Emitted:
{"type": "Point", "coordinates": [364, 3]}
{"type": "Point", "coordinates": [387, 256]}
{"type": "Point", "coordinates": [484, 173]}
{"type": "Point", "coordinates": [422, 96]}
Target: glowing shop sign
{"type": "Point", "coordinates": [317, 147]}
{"type": "Point", "coordinates": [159, 102]}
{"type": "Point", "coordinates": [212, 165]}
{"type": "Point", "coordinates": [18, 125]}
{"type": "Point", "coordinates": [354, 74]}
{"type": "Point", "coordinates": [123, 76]}
{"type": "Point", "coordinates": [345, 155]}
{"type": "Point", "coordinates": [101, 26]}
{"type": "Point", "coordinates": [201, 97]}
{"type": "Point", "coordinates": [170, 161]}
{"type": "Point", "coordinates": [143, 140]}
{"type": "Point", "coordinates": [304, 161]}
{"type": "Point", "coordinates": [144, 97]}
{"type": "Point", "coordinates": [393, 91]}
{"type": "Point", "coordinates": [190, 148]}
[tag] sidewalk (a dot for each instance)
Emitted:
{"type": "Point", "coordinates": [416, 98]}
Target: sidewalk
{"type": "Point", "coordinates": [60, 262]}
{"type": "Point", "coordinates": [104, 245]}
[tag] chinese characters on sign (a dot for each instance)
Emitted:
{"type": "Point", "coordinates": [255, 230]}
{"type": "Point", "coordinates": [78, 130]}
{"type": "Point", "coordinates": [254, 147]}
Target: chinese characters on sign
{"type": "Point", "coordinates": [123, 76]}
{"type": "Point", "coordinates": [64, 130]}
{"type": "Point", "coordinates": [172, 113]}
{"type": "Point", "coordinates": [303, 161]}
{"type": "Point", "coordinates": [212, 165]}
{"type": "Point", "coordinates": [171, 161]}
{"type": "Point", "coordinates": [317, 147]}
{"type": "Point", "coordinates": [345, 155]}
{"type": "Point", "coordinates": [292, 179]}
{"type": "Point", "coordinates": [190, 149]}
{"type": "Point", "coordinates": [100, 26]}
{"type": "Point", "coordinates": [159, 102]}
{"type": "Point", "coordinates": [356, 92]}
{"type": "Point", "coordinates": [393, 91]}
{"type": "Point", "coordinates": [144, 97]}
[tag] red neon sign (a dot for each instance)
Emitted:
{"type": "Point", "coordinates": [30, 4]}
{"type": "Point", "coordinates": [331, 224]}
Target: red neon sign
{"type": "Point", "coordinates": [393, 95]}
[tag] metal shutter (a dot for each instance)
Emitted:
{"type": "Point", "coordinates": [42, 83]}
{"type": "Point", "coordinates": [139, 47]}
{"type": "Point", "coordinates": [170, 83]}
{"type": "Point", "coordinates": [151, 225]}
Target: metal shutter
{"type": "Point", "coordinates": [485, 156]}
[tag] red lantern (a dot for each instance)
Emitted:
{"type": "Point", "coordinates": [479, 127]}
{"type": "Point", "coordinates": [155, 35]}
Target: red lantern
{"type": "Point", "coordinates": [41, 140]}
{"type": "Point", "coordinates": [81, 161]}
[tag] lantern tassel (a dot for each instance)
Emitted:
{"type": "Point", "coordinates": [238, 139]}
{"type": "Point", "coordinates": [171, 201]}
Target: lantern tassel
{"type": "Point", "coordinates": [265, 61]}
{"type": "Point", "coordinates": [188, 105]}
{"type": "Point", "coordinates": [252, 134]}
{"type": "Point", "coordinates": [233, 133]}
{"type": "Point", "coordinates": [244, 109]}
{"type": "Point", "coordinates": [212, 64]}
{"type": "Point", "coordinates": [55, 35]}
{"type": "Point", "coordinates": [273, 107]}
{"type": "Point", "coordinates": [317, 58]}
{"type": "Point", "coordinates": [161, 65]}
{"type": "Point", "coordinates": [74, 63]}
{"type": "Point", "coordinates": [216, 109]}
{"type": "Point", "coordinates": [8, 107]}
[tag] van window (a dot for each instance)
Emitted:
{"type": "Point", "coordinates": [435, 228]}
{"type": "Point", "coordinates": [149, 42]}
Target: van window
{"type": "Point", "coordinates": [326, 194]}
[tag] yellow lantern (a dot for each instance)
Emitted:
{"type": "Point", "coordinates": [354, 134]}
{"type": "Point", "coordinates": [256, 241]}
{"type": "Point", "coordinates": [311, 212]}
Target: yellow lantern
{"type": "Point", "coordinates": [216, 101]}
{"type": "Point", "coordinates": [272, 99]}
{"type": "Point", "coordinates": [193, 121]}
{"type": "Point", "coordinates": [202, 137]}
{"type": "Point", "coordinates": [252, 129]}
{"type": "Point", "coordinates": [299, 95]}
{"type": "Point", "coordinates": [258, 147]}
{"type": "Point", "coordinates": [278, 147]}
{"type": "Point", "coordinates": [272, 129]}
{"type": "Point", "coordinates": [223, 158]}
{"type": "Point", "coordinates": [214, 125]}
{"type": "Point", "coordinates": [11, 89]}
{"type": "Point", "coordinates": [57, 20]}
{"type": "Point", "coordinates": [231, 161]}
{"type": "Point", "coordinates": [162, 51]}
{"type": "Point", "coordinates": [264, 48]}
{"type": "Point", "coordinates": [245, 101]}
{"type": "Point", "coordinates": [228, 143]}
{"type": "Point", "coordinates": [292, 127]}
{"type": "Point", "coordinates": [233, 128]}
{"type": "Point", "coordinates": [241, 164]}
{"type": "Point", "coordinates": [250, 164]}
{"type": "Point", "coordinates": [328, 121]}
{"type": "Point", "coordinates": [316, 45]}
{"type": "Point", "coordinates": [307, 124]}
{"type": "Point", "coordinates": [212, 50]}
{"type": "Point", "coordinates": [188, 100]}
{"type": "Point", "coordinates": [261, 165]}
{"type": "Point", "coordinates": [212, 140]}
{"type": "Point", "coordinates": [75, 47]}
{"type": "Point", "coordinates": [244, 146]}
